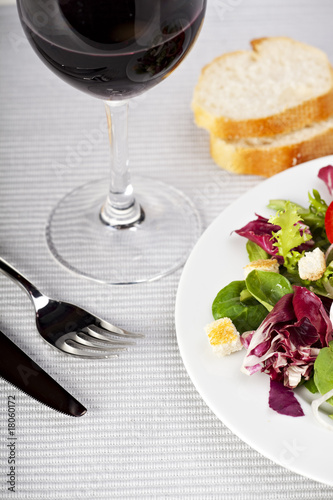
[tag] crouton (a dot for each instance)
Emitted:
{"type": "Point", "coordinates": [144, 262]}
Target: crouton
{"type": "Point", "coordinates": [223, 337]}
{"type": "Point", "coordinates": [271, 265]}
{"type": "Point", "coordinates": [312, 265]}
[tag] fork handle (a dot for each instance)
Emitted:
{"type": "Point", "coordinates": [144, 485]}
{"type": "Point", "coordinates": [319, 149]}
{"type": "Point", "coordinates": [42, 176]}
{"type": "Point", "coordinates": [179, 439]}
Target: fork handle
{"type": "Point", "coordinates": [19, 279]}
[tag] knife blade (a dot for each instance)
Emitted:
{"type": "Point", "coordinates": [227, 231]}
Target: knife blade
{"type": "Point", "coordinates": [20, 370]}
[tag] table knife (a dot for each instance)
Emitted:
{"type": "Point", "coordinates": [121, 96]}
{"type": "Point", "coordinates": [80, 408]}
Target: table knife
{"type": "Point", "coordinates": [18, 369]}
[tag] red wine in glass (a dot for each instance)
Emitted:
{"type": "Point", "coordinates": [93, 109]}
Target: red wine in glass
{"type": "Point", "coordinates": [116, 50]}
{"type": "Point", "coordinates": [113, 49]}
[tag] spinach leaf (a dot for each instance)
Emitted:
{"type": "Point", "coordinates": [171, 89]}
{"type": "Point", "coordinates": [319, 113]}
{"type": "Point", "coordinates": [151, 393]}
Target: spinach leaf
{"type": "Point", "coordinates": [323, 370]}
{"type": "Point", "coordinates": [246, 314]}
{"type": "Point", "coordinates": [255, 252]}
{"type": "Point", "coordinates": [267, 287]}
{"type": "Point", "coordinates": [310, 385]}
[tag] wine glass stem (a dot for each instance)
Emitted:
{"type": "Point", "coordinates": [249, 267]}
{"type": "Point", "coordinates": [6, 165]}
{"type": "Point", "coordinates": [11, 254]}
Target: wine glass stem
{"type": "Point", "coordinates": [120, 209]}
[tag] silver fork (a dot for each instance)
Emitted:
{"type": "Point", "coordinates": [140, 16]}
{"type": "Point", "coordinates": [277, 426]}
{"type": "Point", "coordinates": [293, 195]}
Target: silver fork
{"type": "Point", "coordinates": [70, 328]}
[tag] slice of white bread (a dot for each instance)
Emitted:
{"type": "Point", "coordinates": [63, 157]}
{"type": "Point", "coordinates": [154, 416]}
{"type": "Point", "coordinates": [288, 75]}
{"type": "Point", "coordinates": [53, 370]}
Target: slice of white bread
{"type": "Point", "coordinates": [267, 156]}
{"type": "Point", "coordinates": [279, 86]}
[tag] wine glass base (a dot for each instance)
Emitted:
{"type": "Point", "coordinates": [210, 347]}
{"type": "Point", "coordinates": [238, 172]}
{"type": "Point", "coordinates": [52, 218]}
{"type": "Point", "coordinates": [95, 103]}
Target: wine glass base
{"type": "Point", "coordinates": [145, 251]}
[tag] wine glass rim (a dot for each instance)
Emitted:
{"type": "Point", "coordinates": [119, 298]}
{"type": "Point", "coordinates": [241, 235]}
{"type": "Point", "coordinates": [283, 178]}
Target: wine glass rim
{"type": "Point", "coordinates": [102, 49]}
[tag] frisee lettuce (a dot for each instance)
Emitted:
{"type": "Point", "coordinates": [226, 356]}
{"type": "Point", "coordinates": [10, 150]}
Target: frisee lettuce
{"type": "Point", "coordinates": [289, 236]}
{"type": "Point", "coordinates": [313, 217]}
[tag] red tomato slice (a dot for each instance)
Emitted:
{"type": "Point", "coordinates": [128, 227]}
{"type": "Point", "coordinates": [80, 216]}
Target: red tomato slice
{"type": "Point", "coordinates": [329, 222]}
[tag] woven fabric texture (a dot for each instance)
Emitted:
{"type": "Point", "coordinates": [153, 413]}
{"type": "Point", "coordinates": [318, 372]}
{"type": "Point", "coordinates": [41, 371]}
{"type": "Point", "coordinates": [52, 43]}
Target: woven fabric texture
{"type": "Point", "coordinates": [147, 433]}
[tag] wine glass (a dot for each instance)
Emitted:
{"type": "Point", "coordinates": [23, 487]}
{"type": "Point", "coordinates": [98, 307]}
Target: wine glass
{"type": "Point", "coordinates": [115, 50]}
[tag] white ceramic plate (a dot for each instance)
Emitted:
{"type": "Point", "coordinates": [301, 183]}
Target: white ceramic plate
{"type": "Point", "coordinates": [240, 401]}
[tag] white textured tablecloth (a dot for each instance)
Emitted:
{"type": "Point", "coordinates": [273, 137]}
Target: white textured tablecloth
{"type": "Point", "coordinates": [147, 433]}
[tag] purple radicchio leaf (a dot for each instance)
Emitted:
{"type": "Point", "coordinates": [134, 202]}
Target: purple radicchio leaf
{"type": "Point", "coordinates": [302, 333]}
{"type": "Point", "coordinates": [326, 175]}
{"type": "Point", "coordinates": [283, 400]}
{"type": "Point", "coordinates": [245, 338]}
{"type": "Point", "coordinates": [260, 232]}
{"type": "Point", "coordinates": [307, 245]}
{"type": "Point", "coordinates": [287, 342]}
{"type": "Point", "coordinates": [308, 305]}
{"type": "Point", "coordinates": [327, 303]}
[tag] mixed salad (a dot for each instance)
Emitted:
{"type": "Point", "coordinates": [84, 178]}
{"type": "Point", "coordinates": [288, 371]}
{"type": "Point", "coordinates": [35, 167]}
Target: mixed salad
{"type": "Point", "coordinates": [283, 317]}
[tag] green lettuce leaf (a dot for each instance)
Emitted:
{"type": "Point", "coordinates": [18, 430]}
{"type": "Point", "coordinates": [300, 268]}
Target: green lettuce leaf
{"type": "Point", "coordinates": [323, 370]}
{"type": "Point", "coordinates": [235, 302]}
{"type": "Point", "coordinates": [324, 286]}
{"type": "Point", "coordinates": [310, 385]}
{"type": "Point", "coordinates": [255, 252]}
{"type": "Point", "coordinates": [267, 287]}
{"type": "Point", "coordinates": [289, 236]}
{"type": "Point", "coordinates": [313, 216]}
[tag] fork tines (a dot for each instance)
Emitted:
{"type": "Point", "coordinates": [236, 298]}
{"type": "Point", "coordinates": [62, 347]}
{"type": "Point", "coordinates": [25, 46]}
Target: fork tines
{"type": "Point", "coordinates": [101, 340]}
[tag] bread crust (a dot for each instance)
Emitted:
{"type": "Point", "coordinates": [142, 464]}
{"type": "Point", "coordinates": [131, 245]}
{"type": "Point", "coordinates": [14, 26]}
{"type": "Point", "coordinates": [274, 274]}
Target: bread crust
{"type": "Point", "coordinates": [312, 110]}
{"type": "Point", "coordinates": [267, 160]}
